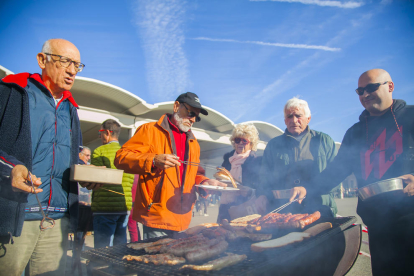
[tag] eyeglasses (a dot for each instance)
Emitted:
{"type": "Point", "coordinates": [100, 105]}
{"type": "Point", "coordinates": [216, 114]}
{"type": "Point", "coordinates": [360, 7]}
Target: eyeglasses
{"type": "Point", "coordinates": [103, 130]}
{"type": "Point", "coordinates": [66, 62]}
{"type": "Point", "coordinates": [192, 114]}
{"type": "Point", "coordinates": [241, 140]}
{"type": "Point", "coordinates": [372, 87]}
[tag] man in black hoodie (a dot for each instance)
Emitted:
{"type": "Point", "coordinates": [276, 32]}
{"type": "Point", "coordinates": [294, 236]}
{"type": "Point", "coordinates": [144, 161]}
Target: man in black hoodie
{"type": "Point", "coordinates": [380, 146]}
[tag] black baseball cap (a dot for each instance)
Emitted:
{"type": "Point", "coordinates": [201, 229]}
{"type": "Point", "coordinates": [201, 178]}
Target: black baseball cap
{"type": "Point", "coordinates": [191, 99]}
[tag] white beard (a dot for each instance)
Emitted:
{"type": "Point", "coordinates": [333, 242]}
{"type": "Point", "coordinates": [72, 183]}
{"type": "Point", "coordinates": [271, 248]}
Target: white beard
{"type": "Point", "coordinates": [179, 121]}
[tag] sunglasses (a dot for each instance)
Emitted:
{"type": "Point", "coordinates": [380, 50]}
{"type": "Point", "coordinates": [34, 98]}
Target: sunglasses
{"type": "Point", "coordinates": [372, 87]}
{"type": "Point", "coordinates": [192, 114]}
{"type": "Point", "coordinates": [241, 140]}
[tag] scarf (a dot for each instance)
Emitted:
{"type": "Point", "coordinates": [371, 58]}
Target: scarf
{"type": "Point", "coordinates": [236, 161]}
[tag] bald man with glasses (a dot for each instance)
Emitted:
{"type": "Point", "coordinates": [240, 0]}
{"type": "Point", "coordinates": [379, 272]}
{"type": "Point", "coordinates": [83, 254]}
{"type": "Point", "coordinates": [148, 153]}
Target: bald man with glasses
{"type": "Point", "coordinates": [40, 138]}
{"type": "Point", "coordinates": [378, 147]}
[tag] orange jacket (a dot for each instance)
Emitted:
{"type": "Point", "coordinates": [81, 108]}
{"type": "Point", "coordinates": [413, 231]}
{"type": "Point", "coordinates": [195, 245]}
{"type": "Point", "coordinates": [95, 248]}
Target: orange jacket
{"type": "Point", "coordinates": [161, 201]}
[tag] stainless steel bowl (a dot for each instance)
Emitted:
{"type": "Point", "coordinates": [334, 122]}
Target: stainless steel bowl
{"type": "Point", "coordinates": [384, 186]}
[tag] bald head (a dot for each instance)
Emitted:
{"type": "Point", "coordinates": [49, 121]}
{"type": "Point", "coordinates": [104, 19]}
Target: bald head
{"type": "Point", "coordinates": [56, 75]}
{"type": "Point", "coordinates": [57, 43]}
{"type": "Point", "coordinates": [377, 75]}
{"type": "Point", "coordinates": [379, 101]}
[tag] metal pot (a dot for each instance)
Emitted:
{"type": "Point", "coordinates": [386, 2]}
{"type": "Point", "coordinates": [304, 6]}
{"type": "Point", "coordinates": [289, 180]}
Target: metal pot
{"type": "Point", "coordinates": [384, 186]}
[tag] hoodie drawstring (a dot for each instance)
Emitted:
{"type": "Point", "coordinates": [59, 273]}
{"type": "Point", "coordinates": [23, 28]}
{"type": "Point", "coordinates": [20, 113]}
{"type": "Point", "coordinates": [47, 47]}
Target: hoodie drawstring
{"type": "Point", "coordinates": [395, 119]}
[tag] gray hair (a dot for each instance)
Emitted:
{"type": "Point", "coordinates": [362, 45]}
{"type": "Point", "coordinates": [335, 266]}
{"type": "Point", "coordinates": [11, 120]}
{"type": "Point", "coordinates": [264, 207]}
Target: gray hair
{"type": "Point", "coordinates": [247, 130]}
{"type": "Point", "coordinates": [46, 48]}
{"type": "Point", "coordinates": [297, 103]}
{"type": "Point", "coordinates": [85, 148]}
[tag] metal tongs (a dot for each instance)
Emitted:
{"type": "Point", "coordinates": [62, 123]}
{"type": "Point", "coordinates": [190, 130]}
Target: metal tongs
{"type": "Point", "coordinates": [285, 205]}
{"type": "Point", "coordinates": [45, 218]}
{"type": "Point", "coordinates": [198, 164]}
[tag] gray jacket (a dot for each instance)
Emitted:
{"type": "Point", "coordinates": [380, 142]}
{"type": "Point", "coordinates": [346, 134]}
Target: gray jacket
{"type": "Point", "coordinates": [288, 162]}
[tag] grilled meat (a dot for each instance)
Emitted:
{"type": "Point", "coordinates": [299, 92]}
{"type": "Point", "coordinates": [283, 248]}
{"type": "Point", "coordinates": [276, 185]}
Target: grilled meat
{"type": "Point", "coordinates": [217, 264]}
{"type": "Point", "coordinates": [158, 259]}
{"type": "Point", "coordinates": [139, 246]}
{"type": "Point", "coordinates": [206, 253]}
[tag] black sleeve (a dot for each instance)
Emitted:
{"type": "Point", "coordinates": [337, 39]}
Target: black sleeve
{"type": "Point", "coordinates": [336, 171]}
{"type": "Point", "coordinates": [7, 163]}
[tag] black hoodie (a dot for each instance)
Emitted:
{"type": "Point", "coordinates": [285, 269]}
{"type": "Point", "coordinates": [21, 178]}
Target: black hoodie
{"type": "Point", "coordinates": [375, 149]}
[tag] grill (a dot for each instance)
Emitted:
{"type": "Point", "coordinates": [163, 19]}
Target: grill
{"type": "Point", "coordinates": [330, 253]}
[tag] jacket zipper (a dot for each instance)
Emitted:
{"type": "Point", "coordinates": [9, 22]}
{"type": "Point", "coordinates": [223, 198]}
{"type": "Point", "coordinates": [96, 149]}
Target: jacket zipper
{"type": "Point", "coordinates": [53, 163]}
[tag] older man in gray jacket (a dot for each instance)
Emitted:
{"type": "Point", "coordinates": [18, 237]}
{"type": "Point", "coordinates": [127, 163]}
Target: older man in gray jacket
{"type": "Point", "coordinates": [297, 156]}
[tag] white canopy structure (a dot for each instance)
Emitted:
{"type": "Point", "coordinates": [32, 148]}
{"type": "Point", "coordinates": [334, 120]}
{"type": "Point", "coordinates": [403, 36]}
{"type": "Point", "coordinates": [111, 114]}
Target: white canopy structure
{"type": "Point", "coordinates": [99, 101]}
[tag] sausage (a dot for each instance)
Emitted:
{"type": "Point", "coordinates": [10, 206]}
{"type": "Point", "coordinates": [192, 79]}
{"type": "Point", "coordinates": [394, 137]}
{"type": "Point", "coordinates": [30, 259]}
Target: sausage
{"type": "Point", "coordinates": [183, 248]}
{"type": "Point", "coordinates": [297, 217]}
{"type": "Point", "coordinates": [192, 239]}
{"type": "Point", "coordinates": [217, 264]}
{"type": "Point", "coordinates": [309, 219]}
{"type": "Point", "coordinates": [282, 225]}
{"type": "Point", "coordinates": [207, 253]}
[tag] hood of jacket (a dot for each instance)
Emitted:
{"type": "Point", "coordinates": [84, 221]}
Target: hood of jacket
{"type": "Point", "coordinates": [397, 106]}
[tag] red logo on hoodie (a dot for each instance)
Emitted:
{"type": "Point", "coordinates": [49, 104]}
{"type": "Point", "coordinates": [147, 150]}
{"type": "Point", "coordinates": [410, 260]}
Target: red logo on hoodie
{"type": "Point", "coordinates": [381, 154]}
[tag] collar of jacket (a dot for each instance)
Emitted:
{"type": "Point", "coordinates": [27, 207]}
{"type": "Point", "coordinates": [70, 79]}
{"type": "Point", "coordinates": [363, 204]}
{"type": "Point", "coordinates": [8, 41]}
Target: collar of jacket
{"type": "Point", "coordinates": [287, 133]}
{"type": "Point", "coordinates": [22, 78]}
{"type": "Point", "coordinates": [397, 106]}
{"type": "Point", "coordinates": [163, 123]}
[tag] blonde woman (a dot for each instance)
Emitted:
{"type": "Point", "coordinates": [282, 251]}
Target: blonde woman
{"type": "Point", "coordinates": [242, 163]}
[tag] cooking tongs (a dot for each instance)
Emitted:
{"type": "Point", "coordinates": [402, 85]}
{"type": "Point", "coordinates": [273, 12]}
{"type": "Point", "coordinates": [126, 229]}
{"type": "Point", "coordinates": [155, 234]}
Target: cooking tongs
{"type": "Point", "coordinates": [285, 205]}
{"type": "Point", "coordinates": [45, 218]}
{"type": "Point", "coordinates": [198, 164]}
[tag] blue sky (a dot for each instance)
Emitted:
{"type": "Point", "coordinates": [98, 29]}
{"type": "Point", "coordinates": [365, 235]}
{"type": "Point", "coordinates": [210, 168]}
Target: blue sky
{"type": "Point", "coordinates": [243, 58]}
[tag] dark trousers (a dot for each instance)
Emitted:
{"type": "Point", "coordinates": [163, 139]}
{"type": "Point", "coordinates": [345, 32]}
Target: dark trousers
{"type": "Point", "coordinates": [149, 232]}
{"type": "Point", "coordinates": [391, 245]}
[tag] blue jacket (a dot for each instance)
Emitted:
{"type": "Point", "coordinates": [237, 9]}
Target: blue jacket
{"type": "Point", "coordinates": [16, 133]}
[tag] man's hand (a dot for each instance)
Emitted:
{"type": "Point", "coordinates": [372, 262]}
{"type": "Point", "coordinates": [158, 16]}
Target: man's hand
{"type": "Point", "coordinates": [91, 186]}
{"type": "Point", "coordinates": [297, 192]}
{"type": "Point", "coordinates": [409, 180]}
{"type": "Point", "coordinates": [213, 182]}
{"type": "Point", "coordinates": [20, 180]}
{"type": "Point", "coordinates": [165, 161]}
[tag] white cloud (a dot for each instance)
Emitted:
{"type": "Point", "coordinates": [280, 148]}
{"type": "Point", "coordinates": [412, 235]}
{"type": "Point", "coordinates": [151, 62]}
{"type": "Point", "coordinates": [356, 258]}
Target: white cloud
{"type": "Point", "coordinates": [299, 46]}
{"type": "Point", "coordinates": [323, 3]}
{"type": "Point", "coordinates": [386, 2]}
{"type": "Point", "coordinates": [294, 75]}
{"type": "Point", "coordinates": [160, 25]}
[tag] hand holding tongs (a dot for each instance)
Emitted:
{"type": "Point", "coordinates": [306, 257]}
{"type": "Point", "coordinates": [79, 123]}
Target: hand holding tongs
{"type": "Point", "coordinates": [45, 218]}
{"type": "Point", "coordinates": [285, 205]}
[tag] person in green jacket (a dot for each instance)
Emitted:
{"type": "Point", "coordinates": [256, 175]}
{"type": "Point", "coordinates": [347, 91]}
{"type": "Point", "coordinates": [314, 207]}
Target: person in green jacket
{"type": "Point", "coordinates": [299, 155]}
{"type": "Point", "coordinates": [110, 203]}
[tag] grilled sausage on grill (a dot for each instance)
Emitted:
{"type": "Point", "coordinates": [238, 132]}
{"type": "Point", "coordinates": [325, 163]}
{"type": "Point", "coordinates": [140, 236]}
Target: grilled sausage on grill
{"type": "Point", "coordinates": [207, 253]}
{"type": "Point", "coordinates": [159, 259]}
{"type": "Point", "coordinates": [217, 264]}
{"type": "Point", "coordinates": [139, 246]}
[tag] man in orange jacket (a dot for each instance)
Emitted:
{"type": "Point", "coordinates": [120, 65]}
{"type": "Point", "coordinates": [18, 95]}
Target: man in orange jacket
{"type": "Point", "coordinates": [166, 190]}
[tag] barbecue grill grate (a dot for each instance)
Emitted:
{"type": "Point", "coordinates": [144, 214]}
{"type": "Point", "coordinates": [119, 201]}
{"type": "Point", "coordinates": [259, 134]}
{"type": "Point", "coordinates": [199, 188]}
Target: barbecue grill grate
{"type": "Point", "coordinates": [254, 262]}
